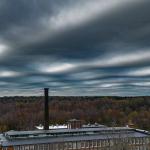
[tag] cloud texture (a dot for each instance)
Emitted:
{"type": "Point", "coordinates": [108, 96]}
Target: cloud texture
{"type": "Point", "coordinates": [92, 47]}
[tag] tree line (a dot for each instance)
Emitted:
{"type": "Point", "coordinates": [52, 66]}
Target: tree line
{"type": "Point", "coordinates": [24, 113]}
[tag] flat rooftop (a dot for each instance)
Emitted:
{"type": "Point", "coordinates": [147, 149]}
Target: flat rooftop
{"type": "Point", "coordinates": [61, 135]}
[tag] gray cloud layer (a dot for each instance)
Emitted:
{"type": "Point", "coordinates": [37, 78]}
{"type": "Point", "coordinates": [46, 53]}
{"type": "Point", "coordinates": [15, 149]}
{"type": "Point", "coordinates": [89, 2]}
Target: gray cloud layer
{"type": "Point", "coordinates": [98, 47]}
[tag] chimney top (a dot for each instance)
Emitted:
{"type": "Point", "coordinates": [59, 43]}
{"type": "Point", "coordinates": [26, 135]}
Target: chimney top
{"type": "Point", "coordinates": [46, 109]}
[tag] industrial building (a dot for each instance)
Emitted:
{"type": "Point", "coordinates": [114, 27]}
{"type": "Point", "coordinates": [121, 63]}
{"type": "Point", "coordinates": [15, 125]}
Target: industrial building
{"type": "Point", "coordinates": [118, 138]}
{"type": "Point", "coordinates": [76, 136]}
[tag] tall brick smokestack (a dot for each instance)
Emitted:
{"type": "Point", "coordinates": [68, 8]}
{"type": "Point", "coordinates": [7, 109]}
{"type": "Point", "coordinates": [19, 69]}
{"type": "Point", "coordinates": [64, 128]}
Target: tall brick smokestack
{"type": "Point", "coordinates": [46, 109]}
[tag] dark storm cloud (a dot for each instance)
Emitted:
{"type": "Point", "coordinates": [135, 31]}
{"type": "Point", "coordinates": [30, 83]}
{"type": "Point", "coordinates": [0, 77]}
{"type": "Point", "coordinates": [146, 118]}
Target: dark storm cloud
{"type": "Point", "coordinates": [74, 47]}
{"type": "Point", "coordinates": [106, 33]}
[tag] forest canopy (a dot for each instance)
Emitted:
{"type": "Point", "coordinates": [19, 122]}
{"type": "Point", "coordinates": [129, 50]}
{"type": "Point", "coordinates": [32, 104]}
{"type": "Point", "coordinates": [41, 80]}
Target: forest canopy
{"type": "Point", "coordinates": [24, 113]}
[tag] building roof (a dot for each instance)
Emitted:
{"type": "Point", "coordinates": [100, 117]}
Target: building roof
{"type": "Point", "coordinates": [61, 135]}
{"type": "Point", "coordinates": [64, 126]}
{"type": "Point", "coordinates": [60, 131]}
{"type": "Point", "coordinates": [96, 125]}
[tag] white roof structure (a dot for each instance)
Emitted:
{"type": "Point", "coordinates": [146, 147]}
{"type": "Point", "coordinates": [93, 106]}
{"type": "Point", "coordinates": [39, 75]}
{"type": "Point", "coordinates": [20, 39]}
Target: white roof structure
{"type": "Point", "coordinates": [52, 127]}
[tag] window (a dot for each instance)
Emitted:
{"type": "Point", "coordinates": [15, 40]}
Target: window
{"type": "Point", "coordinates": [74, 144]}
{"type": "Point", "coordinates": [82, 144]}
{"type": "Point", "coordinates": [26, 148]}
{"type": "Point", "coordinates": [79, 145]}
{"type": "Point", "coordinates": [70, 145]}
{"type": "Point", "coordinates": [86, 144]}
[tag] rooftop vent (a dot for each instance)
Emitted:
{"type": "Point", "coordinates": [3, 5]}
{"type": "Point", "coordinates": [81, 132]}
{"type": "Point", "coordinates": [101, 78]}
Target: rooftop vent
{"type": "Point", "coordinates": [75, 124]}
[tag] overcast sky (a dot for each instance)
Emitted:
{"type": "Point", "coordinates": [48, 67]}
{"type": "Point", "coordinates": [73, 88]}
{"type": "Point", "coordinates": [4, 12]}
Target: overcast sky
{"type": "Point", "coordinates": [75, 47]}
